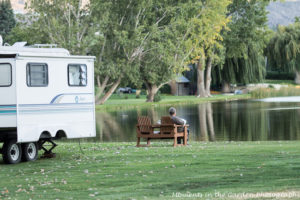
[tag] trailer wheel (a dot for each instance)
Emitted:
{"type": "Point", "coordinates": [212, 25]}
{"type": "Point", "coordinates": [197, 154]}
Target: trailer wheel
{"type": "Point", "coordinates": [30, 151]}
{"type": "Point", "coordinates": [11, 152]}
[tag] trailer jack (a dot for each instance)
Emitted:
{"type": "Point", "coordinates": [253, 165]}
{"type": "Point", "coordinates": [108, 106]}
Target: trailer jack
{"type": "Point", "coordinates": [47, 152]}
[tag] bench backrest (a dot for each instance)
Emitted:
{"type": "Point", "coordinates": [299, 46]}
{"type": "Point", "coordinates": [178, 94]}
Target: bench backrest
{"type": "Point", "coordinates": [167, 125]}
{"type": "Point", "coordinates": [144, 125]}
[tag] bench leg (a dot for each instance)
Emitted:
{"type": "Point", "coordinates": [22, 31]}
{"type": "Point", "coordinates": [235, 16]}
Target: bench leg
{"type": "Point", "coordinates": [148, 142]}
{"type": "Point", "coordinates": [185, 138]}
{"type": "Point", "coordinates": [175, 142]}
{"type": "Point", "coordinates": [138, 141]}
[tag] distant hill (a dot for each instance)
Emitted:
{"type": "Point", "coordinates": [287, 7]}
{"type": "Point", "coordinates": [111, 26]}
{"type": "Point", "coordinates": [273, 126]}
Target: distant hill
{"type": "Point", "coordinates": [283, 13]}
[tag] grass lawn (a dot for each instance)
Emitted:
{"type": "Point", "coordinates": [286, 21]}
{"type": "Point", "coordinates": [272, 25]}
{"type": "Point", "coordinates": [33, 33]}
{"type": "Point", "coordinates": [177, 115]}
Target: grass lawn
{"type": "Point", "coordinates": [122, 171]}
{"type": "Point", "coordinates": [130, 101]}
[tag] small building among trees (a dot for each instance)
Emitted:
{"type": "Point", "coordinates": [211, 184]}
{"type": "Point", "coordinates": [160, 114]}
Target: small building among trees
{"type": "Point", "coordinates": [180, 86]}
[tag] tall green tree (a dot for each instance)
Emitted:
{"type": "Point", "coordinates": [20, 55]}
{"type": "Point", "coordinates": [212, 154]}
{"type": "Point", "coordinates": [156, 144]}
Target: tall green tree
{"type": "Point", "coordinates": [244, 42]}
{"type": "Point", "coordinates": [141, 41]}
{"type": "Point", "coordinates": [26, 25]}
{"type": "Point", "coordinates": [66, 23]}
{"type": "Point", "coordinates": [7, 19]}
{"type": "Point", "coordinates": [283, 50]}
{"type": "Point", "coordinates": [119, 44]}
{"type": "Point", "coordinates": [208, 20]}
{"type": "Point", "coordinates": [164, 53]}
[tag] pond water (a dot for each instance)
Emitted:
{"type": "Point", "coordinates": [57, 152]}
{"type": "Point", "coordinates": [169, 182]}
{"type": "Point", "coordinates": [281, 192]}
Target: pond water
{"type": "Point", "coordinates": [245, 120]}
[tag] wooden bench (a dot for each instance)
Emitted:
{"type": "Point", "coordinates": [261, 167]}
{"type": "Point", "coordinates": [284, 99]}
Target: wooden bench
{"type": "Point", "coordinates": [167, 130]}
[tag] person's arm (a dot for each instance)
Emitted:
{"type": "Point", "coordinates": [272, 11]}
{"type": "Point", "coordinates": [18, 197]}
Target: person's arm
{"type": "Point", "coordinates": [178, 121]}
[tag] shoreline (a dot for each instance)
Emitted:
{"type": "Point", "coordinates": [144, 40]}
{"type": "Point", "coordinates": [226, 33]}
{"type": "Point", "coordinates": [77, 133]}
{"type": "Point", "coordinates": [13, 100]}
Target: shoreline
{"type": "Point", "coordinates": [115, 104]}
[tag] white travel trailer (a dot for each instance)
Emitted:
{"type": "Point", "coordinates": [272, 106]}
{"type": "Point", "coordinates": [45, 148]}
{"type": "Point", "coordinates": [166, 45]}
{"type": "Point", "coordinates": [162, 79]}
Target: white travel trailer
{"type": "Point", "coordinates": [45, 94]}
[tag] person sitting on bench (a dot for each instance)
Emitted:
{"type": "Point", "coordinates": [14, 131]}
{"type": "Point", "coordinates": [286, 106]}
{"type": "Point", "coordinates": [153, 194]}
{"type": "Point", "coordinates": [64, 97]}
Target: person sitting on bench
{"type": "Point", "coordinates": [178, 121]}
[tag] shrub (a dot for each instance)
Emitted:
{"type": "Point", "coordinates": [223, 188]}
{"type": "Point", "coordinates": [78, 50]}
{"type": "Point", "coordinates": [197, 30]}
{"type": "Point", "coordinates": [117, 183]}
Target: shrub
{"type": "Point", "coordinates": [138, 96]}
{"type": "Point", "coordinates": [271, 92]}
{"type": "Point", "coordinates": [157, 97]}
{"type": "Point", "coordinates": [166, 89]}
{"type": "Point", "coordinates": [143, 92]}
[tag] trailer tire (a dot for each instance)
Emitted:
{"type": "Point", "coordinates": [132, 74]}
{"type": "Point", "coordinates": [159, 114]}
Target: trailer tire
{"type": "Point", "coordinates": [30, 151]}
{"type": "Point", "coordinates": [11, 152]}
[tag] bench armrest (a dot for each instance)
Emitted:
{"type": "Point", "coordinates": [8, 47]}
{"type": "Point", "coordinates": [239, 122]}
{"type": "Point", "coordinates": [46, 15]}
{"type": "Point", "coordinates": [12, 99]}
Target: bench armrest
{"type": "Point", "coordinates": [167, 125]}
{"type": "Point", "coordinates": [181, 125]}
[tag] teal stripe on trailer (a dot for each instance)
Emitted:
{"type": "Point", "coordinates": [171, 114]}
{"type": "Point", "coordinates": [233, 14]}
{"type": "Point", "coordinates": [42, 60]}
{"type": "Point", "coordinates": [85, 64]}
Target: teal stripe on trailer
{"type": "Point", "coordinates": [46, 108]}
{"type": "Point", "coordinates": [8, 112]}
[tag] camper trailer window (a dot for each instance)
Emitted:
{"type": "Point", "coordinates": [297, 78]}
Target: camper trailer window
{"type": "Point", "coordinates": [77, 75]}
{"type": "Point", "coordinates": [5, 75]}
{"type": "Point", "coordinates": [37, 74]}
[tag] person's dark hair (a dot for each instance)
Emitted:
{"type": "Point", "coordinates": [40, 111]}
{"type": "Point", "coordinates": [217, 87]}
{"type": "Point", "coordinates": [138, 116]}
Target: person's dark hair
{"type": "Point", "coordinates": [172, 111]}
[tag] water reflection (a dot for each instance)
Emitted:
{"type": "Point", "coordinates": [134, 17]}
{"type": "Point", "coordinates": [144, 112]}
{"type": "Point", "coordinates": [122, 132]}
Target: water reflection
{"type": "Point", "coordinates": [222, 121]}
{"type": "Point", "coordinates": [206, 123]}
{"type": "Point", "coordinates": [107, 126]}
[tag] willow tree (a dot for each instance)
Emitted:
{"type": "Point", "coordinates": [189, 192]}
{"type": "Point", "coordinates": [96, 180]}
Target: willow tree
{"type": "Point", "coordinates": [208, 20]}
{"type": "Point", "coordinates": [283, 50]}
{"type": "Point", "coordinates": [244, 43]}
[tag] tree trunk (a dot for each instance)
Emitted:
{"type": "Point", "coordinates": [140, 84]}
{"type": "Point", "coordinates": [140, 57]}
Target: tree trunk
{"type": "Point", "coordinates": [110, 91]}
{"type": "Point", "coordinates": [210, 121]}
{"type": "Point", "coordinates": [297, 77]}
{"type": "Point", "coordinates": [101, 87]}
{"type": "Point", "coordinates": [152, 90]}
{"type": "Point", "coordinates": [208, 76]}
{"type": "Point", "coordinates": [200, 79]}
{"type": "Point", "coordinates": [225, 87]}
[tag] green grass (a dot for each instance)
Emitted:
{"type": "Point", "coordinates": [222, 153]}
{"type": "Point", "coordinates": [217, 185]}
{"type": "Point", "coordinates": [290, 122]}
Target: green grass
{"type": "Point", "coordinates": [117, 102]}
{"type": "Point", "coordinates": [122, 171]}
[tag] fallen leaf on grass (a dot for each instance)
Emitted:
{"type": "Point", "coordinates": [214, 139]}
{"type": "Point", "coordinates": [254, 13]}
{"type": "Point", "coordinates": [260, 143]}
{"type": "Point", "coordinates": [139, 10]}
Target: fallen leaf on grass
{"type": "Point", "coordinates": [5, 192]}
